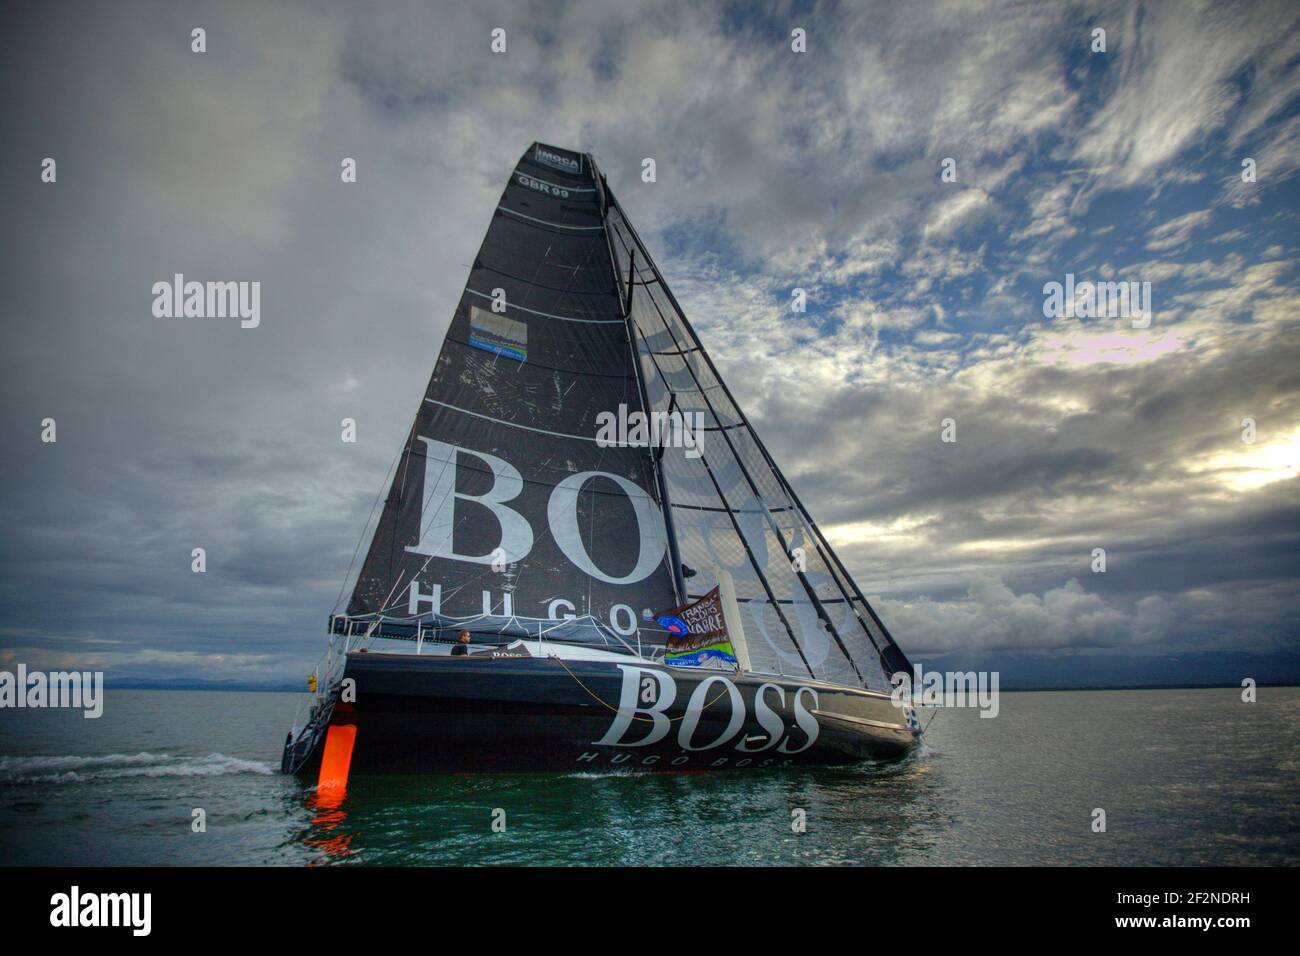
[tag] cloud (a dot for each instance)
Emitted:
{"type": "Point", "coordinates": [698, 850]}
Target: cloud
{"type": "Point", "coordinates": [1174, 232]}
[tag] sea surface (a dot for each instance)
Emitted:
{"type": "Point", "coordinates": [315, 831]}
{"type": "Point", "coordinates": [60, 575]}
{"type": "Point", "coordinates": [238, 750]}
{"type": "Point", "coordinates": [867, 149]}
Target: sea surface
{"type": "Point", "coordinates": [1185, 777]}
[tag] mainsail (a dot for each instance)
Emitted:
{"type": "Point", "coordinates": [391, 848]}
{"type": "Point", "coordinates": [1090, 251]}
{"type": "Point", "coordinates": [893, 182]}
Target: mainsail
{"type": "Point", "coordinates": [504, 503]}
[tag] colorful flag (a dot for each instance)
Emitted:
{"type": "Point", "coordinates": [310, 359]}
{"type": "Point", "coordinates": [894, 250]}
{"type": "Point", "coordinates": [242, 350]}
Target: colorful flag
{"type": "Point", "coordinates": [697, 634]}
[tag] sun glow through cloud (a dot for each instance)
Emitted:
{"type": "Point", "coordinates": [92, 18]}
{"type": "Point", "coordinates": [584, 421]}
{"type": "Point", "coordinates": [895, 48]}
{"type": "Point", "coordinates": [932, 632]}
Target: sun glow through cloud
{"type": "Point", "coordinates": [1255, 466]}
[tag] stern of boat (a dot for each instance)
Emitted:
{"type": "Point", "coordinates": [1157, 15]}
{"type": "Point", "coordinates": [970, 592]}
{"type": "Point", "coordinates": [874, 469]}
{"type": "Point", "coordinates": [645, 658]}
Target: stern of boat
{"type": "Point", "coordinates": [311, 721]}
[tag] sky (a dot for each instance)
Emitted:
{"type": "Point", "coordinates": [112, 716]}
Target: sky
{"type": "Point", "coordinates": [776, 170]}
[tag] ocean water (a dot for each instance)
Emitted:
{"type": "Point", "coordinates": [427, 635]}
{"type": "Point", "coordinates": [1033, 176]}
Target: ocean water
{"type": "Point", "coordinates": [1185, 777]}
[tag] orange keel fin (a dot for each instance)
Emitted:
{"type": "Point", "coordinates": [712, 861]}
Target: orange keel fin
{"type": "Point", "coordinates": [332, 785]}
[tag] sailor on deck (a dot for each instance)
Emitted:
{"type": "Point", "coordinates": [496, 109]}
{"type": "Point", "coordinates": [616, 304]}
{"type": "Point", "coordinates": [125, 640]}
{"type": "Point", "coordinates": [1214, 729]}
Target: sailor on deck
{"type": "Point", "coordinates": [462, 645]}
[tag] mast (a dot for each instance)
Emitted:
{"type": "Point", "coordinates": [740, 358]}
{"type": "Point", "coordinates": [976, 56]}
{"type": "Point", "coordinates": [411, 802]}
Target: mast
{"type": "Point", "coordinates": [665, 505]}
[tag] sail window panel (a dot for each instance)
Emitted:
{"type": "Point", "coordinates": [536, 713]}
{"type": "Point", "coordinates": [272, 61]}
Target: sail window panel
{"type": "Point", "coordinates": [654, 341]}
{"type": "Point", "coordinates": [821, 649]}
{"type": "Point", "coordinates": [687, 377]}
{"type": "Point", "coordinates": [771, 649]}
{"type": "Point", "coordinates": [656, 391]}
{"type": "Point", "coordinates": [620, 239]}
{"type": "Point", "coordinates": [823, 653]}
{"type": "Point", "coordinates": [692, 402]}
{"type": "Point", "coordinates": [724, 408]}
{"type": "Point", "coordinates": [689, 481]}
{"type": "Point", "coordinates": [873, 636]}
{"type": "Point", "coordinates": [660, 305]}
{"type": "Point", "coordinates": [687, 374]}
{"type": "Point", "coordinates": [707, 540]}
{"type": "Point", "coordinates": [705, 546]}
{"type": "Point", "coordinates": [768, 483]}
{"type": "Point", "coordinates": [711, 406]}
{"type": "Point", "coordinates": [829, 589]}
{"type": "Point", "coordinates": [828, 583]}
{"type": "Point", "coordinates": [704, 478]}
{"type": "Point", "coordinates": [674, 372]}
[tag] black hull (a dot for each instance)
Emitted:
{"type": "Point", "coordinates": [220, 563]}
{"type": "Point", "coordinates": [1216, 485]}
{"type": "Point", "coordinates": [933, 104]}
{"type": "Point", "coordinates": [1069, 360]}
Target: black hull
{"type": "Point", "coordinates": [439, 714]}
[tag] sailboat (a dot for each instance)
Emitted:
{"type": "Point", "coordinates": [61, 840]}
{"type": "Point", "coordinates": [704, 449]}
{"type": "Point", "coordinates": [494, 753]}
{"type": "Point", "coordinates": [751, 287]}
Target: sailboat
{"type": "Point", "coordinates": [546, 592]}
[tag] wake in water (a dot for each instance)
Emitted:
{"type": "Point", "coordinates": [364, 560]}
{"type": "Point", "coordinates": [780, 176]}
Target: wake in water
{"type": "Point", "coordinates": [16, 771]}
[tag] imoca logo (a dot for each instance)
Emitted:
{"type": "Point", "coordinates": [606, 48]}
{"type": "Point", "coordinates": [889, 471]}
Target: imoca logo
{"type": "Point", "coordinates": [544, 155]}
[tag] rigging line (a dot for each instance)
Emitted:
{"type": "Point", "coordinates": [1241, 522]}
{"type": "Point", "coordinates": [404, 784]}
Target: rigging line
{"type": "Point", "coordinates": [655, 471]}
{"type": "Point", "coordinates": [718, 489]}
{"type": "Point", "coordinates": [447, 537]}
{"type": "Point", "coordinates": [753, 560]}
{"type": "Point", "coordinates": [378, 495]}
{"type": "Point", "coordinates": [410, 439]}
{"type": "Point", "coordinates": [822, 614]}
{"type": "Point", "coordinates": [385, 605]}
{"type": "Point", "coordinates": [759, 442]}
{"type": "Point", "coordinates": [931, 720]}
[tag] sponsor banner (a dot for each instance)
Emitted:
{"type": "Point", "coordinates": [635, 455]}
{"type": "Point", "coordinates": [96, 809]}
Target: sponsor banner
{"type": "Point", "coordinates": [498, 334]}
{"type": "Point", "coordinates": [697, 635]}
